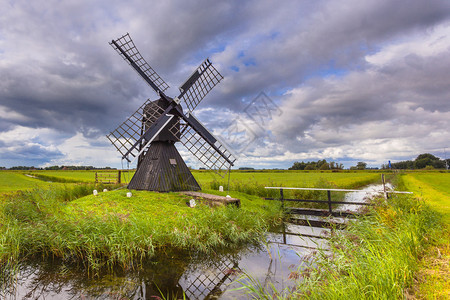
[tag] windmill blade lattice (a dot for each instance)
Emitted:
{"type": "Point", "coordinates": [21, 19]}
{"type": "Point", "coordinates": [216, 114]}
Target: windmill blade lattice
{"type": "Point", "coordinates": [215, 157]}
{"type": "Point", "coordinates": [130, 131]}
{"type": "Point", "coordinates": [211, 281]}
{"type": "Point", "coordinates": [203, 80]}
{"type": "Point", "coordinates": [131, 55]}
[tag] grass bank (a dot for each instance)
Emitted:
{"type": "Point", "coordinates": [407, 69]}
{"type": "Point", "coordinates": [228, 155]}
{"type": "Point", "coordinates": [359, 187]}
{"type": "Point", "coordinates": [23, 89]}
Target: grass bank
{"type": "Point", "coordinates": [11, 181]}
{"type": "Point", "coordinates": [433, 277]}
{"type": "Point", "coordinates": [378, 257]}
{"type": "Point", "coordinates": [111, 229]}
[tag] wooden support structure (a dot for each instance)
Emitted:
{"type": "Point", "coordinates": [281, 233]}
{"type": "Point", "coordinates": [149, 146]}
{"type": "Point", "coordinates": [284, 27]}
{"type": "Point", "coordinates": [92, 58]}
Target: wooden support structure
{"type": "Point", "coordinates": [213, 200]}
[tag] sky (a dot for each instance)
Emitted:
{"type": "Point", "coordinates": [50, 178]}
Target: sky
{"type": "Point", "coordinates": [345, 81]}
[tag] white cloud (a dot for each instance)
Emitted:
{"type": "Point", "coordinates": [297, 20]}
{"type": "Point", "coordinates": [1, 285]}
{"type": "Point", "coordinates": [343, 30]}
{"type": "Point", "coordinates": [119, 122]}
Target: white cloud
{"type": "Point", "coordinates": [79, 150]}
{"type": "Point", "coordinates": [424, 44]}
{"type": "Point", "coordinates": [354, 80]}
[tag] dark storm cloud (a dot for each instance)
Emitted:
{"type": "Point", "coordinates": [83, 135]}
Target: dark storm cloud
{"type": "Point", "coordinates": [27, 154]}
{"type": "Point", "coordinates": [331, 36]}
{"type": "Point", "coordinates": [59, 72]}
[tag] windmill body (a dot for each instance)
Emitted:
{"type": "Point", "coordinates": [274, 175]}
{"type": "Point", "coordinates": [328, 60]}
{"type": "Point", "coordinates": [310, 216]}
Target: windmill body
{"type": "Point", "coordinates": [149, 134]}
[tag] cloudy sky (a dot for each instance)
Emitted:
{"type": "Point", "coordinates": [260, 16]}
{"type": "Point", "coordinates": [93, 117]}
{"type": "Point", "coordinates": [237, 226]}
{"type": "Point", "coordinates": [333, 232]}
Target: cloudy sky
{"type": "Point", "coordinates": [346, 81]}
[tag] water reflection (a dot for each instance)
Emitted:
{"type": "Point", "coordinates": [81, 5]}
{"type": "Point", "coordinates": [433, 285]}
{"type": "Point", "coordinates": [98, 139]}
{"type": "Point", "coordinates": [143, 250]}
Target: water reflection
{"type": "Point", "coordinates": [171, 274]}
{"type": "Point", "coordinates": [363, 196]}
{"type": "Point", "coordinates": [197, 276]}
{"type": "Point", "coordinates": [177, 273]}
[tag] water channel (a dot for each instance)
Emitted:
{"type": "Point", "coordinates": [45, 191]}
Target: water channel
{"type": "Point", "coordinates": [275, 261]}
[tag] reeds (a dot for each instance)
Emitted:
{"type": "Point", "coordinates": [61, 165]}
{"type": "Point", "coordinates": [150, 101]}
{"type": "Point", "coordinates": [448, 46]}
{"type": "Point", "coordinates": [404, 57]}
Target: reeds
{"type": "Point", "coordinates": [112, 230]}
{"type": "Point", "coordinates": [375, 258]}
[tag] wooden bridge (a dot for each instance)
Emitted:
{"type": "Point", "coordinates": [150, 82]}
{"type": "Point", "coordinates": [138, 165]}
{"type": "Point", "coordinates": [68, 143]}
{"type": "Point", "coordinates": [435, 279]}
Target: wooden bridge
{"type": "Point", "coordinates": [318, 222]}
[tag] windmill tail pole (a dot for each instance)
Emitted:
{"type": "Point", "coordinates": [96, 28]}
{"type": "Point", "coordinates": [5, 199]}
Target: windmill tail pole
{"type": "Point", "coordinates": [229, 175]}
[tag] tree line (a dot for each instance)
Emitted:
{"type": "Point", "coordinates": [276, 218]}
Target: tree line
{"type": "Point", "coordinates": [56, 168]}
{"type": "Point", "coordinates": [423, 161]}
{"type": "Point", "coordinates": [316, 165]}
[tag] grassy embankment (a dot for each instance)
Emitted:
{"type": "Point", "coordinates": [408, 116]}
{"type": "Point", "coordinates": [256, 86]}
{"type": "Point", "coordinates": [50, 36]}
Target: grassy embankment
{"type": "Point", "coordinates": [67, 221]}
{"type": "Point", "coordinates": [11, 181]}
{"type": "Point", "coordinates": [433, 277]}
{"type": "Point", "coordinates": [388, 254]}
{"type": "Point", "coordinates": [111, 229]}
{"type": "Point", "coordinates": [249, 182]}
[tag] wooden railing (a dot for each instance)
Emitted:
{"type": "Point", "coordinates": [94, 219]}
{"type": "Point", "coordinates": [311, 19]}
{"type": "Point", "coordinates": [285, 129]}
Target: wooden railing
{"type": "Point", "coordinates": [108, 177]}
{"type": "Point", "coordinates": [328, 201]}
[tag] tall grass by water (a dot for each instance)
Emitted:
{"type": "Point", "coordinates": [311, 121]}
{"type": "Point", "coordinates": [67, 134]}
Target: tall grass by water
{"type": "Point", "coordinates": [374, 258]}
{"type": "Point", "coordinates": [113, 230]}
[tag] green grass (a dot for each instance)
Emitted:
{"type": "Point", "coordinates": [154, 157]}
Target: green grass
{"type": "Point", "coordinates": [71, 176]}
{"type": "Point", "coordinates": [207, 179]}
{"type": "Point", "coordinates": [15, 180]}
{"type": "Point", "coordinates": [399, 250]}
{"type": "Point", "coordinates": [254, 183]}
{"type": "Point", "coordinates": [433, 188]}
{"type": "Point", "coordinates": [111, 229]}
{"type": "Point", "coordinates": [376, 257]}
{"type": "Point", "coordinates": [433, 278]}
{"type": "Point", "coordinates": [344, 179]}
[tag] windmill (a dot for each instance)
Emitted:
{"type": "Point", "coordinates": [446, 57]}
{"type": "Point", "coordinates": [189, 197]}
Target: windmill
{"type": "Point", "coordinates": [150, 133]}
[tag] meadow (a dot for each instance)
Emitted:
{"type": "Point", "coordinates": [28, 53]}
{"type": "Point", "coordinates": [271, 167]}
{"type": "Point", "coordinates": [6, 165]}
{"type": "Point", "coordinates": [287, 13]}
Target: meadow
{"type": "Point", "coordinates": [401, 248]}
{"type": "Point", "coordinates": [55, 214]}
{"type": "Point", "coordinates": [15, 180]}
{"type": "Point", "coordinates": [434, 188]}
{"type": "Point", "coordinates": [66, 221]}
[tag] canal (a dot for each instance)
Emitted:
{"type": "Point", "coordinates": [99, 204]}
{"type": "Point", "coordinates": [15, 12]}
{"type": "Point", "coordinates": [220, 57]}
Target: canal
{"type": "Point", "coordinates": [278, 261]}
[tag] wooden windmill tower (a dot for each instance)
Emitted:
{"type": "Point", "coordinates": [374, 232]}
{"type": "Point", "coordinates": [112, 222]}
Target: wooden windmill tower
{"type": "Point", "coordinates": [151, 132]}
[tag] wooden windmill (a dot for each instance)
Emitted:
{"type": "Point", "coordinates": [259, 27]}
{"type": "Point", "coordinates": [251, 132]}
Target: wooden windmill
{"type": "Point", "coordinates": [151, 132]}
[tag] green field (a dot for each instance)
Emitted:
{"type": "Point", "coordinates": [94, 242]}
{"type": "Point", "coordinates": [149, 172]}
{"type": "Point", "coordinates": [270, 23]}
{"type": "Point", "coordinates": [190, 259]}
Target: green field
{"type": "Point", "coordinates": [291, 178]}
{"type": "Point", "coordinates": [249, 182]}
{"type": "Point", "coordinates": [13, 181]}
{"type": "Point", "coordinates": [205, 178]}
{"type": "Point", "coordinates": [63, 219]}
{"type": "Point", "coordinates": [433, 188]}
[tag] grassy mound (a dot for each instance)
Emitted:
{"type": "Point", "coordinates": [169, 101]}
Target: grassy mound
{"type": "Point", "coordinates": [111, 229]}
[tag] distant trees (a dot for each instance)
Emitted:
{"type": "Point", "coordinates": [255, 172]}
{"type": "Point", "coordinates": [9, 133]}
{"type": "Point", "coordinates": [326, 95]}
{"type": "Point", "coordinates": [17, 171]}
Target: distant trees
{"type": "Point", "coordinates": [425, 160]}
{"type": "Point", "coordinates": [359, 166]}
{"type": "Point", "coordinates": [24, 168]}
{"type": "Point", "coordinates": [59, 168]}
{"type": "Point", "coordinates": [316, 165]}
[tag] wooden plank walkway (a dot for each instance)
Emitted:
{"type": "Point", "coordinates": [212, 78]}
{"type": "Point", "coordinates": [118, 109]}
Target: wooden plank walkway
{"type": "Point", "coordinates": [213, 200]}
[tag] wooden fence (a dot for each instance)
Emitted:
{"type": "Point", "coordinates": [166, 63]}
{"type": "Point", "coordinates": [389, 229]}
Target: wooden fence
{"type": "Point", "coordinates": [321, 212]}
{"type": "Point", "coordinates": [108, 177]}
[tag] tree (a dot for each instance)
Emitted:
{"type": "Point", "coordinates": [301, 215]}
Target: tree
{"type": "Point", "coordinates": [298, 166]}
{"type": "Point", "coordinates": [427, 159]}
{"type": "Point", "coordinates": [310, 167]}
{"type": "Point", "coordinates": [324, 166]}
{"type": "Point", "coordinates": [361, 165]}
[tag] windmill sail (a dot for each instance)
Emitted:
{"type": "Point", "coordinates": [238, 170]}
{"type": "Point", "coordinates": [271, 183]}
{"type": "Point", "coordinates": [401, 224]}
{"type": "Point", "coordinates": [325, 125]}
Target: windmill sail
{"type": "Point", "coordinates": [151, 132]}
{"type": "Point", "coordinates": [131, 131]}
{"type": "Point", "coordinates": [203, 80]}
{"type": "Point", "coordinates": [126, 48]}
{"type": "Point", "coordinates": [204, 146]}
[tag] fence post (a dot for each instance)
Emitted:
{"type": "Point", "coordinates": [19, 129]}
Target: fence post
{"type": "Point", "coordinates": [282, 198]}
{"type": "Point", "coordinates": [329, 202]}
{"type": "Point", "coordinates": [384, 186]}
{"type": "Point", "coordinates": [119, 177]}
{"type": "Point", "coordinates": [96, 179]}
